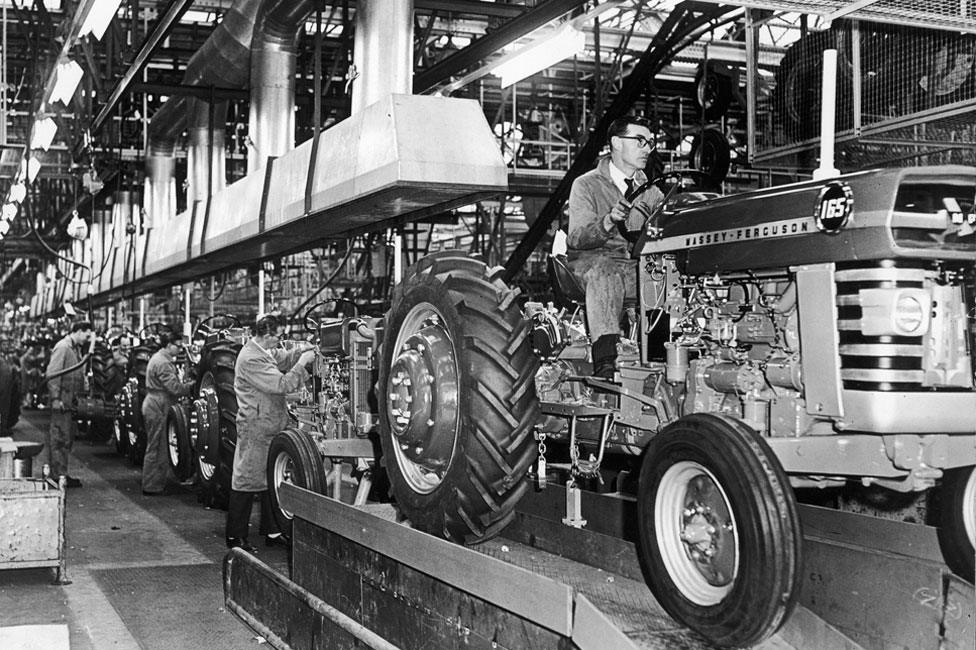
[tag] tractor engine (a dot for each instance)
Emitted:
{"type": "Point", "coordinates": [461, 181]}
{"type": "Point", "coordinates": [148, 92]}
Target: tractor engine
{"type": "Point", "coordinates": [338, 401]}
{"type": "Point", "coordinates": [735, 349]}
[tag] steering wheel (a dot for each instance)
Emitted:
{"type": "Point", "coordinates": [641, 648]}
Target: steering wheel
{"type": "Point", "coordinates": [153, 330]}
{"type": "Point", "coordinates": [670, 190]}
{"type": "Point", "coordinates": [215, 323]}
{"type": "Point", "coordinates": [332, 308]}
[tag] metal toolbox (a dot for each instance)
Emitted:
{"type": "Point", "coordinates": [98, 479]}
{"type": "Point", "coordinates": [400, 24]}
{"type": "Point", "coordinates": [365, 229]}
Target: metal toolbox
{"type": "Point", "coordinates": [32, 525]}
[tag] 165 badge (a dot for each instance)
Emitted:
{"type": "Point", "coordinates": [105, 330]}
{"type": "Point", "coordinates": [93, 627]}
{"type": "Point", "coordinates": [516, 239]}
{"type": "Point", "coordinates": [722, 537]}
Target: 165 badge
{"type": "Point", "coordinates": [834, 205]}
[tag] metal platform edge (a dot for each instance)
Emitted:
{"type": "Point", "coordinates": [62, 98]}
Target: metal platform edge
{"type": "Point", "coordinates": [533, 597]}
{"type": "Point", "coordinates": [272, 605]}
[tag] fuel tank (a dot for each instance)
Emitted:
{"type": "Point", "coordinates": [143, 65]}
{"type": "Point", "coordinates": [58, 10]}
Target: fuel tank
{"type": "Point", "coordinates": [915, 212]}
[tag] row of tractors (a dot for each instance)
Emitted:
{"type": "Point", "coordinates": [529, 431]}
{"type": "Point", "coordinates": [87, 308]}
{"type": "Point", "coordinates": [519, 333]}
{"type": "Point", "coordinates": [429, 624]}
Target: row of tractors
{"type": "Point", "coordinates": [811, 337]}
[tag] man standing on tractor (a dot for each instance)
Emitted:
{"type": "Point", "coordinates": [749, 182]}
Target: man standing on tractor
{"type": "Point", "coordinates": [264, 374]}
{"type": "Point", "coordinates": [163, 386]}
{"type": "Point", "coordinates": [608, 207]}
{"type": "Point", "coordinates": [65, 379]}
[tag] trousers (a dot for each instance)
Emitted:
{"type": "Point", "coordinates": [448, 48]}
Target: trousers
{"type": "Point", "coordinates": [60, 439]}
{"type": "Point", "coordinates": [239, 514]}
{"type": "Point", "coordinates": [606, 282]}
{"type": "Point", "coordinates": [156, 470]}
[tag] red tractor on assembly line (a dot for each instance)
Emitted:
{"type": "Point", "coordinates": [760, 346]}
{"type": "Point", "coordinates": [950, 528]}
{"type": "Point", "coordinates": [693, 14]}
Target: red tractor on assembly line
{"type": "Point", "coordinates": [808, 335]}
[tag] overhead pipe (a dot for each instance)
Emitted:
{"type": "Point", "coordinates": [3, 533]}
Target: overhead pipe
{"type": "Point", "coordinates": [382, 51]}
{"type": "Point", "coordinates": [274, 49]}
{"type": "Point", "coordinates": [222, 61]}
{"type": "Point", "coordinates": [206, 156]}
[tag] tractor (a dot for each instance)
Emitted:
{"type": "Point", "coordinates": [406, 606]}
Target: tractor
{"type": "Point", "coordinates": [816, 334]}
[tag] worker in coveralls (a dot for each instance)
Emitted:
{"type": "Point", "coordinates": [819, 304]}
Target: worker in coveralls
{"type": "Point", "coordinates": [265, 373]}
{"type": "Point", "coordinates": [163, 386]}
{"type": "Point", "coordinates": [65, 380]}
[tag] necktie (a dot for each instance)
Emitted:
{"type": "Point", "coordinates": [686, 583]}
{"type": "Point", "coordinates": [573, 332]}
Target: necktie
{"type": "Point", "coordinates": [630, 187]}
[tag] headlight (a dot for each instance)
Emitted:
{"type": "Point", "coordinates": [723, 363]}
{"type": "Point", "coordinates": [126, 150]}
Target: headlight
{"type": "Point", "coordinates": [909, 314]}
{"type": "Point", "coordinates": [894, 312]}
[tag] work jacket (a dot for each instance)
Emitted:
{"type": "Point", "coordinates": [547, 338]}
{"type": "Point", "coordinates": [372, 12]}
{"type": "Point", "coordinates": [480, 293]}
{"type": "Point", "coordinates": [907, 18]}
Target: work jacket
{"type": "Point", "coordinates": [262, 379]}
{"type": "Point", "coordinates": [591, 199]}
{"type": "Point", "coordinates": [163, 383]}
{"type": "Point", "coordinates": [68, 386]}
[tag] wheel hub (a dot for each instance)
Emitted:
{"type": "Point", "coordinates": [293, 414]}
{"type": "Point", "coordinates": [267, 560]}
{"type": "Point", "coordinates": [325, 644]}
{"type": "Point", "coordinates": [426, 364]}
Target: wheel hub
{"type": "Point", "coordinates": [705, 532]}
{"type": "Point", "coordinates": [423, 396]}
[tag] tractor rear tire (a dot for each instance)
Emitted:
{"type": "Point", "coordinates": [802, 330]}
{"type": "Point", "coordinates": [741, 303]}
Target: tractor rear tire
{"type": "Point", "coordinates": [293, 458]}
{"type": "Point", "coordinates": [138, 363]}
{"type": "Point", "coordinates": [957, 520]}
{"type": "Point", "coordinates": [106, 382]}
{"type": "Point", "coordinates": [718, 530]}
{"type": "Point", "coordinates": [181, 454]}
{"type": "Point", "coordinates": [215, 462]}
{"type": "Point", "coordinates": [457, 402]}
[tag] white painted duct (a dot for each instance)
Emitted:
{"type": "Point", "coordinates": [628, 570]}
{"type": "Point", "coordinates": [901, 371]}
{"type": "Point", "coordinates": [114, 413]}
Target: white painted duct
{"type": "Point", "coordinates": [222, 61]}
{"type": "Point", "coordinates": [271, 121]}
{"type": "Point", "coordinates": [382, 52]}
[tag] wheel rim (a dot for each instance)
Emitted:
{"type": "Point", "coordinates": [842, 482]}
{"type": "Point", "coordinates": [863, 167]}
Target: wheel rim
{"type": "Point", "coordinates": [117, 431]}
{"type": "Point", "coordinates": [968, 514]}
{"type": "Point", "coordinates": [207, 470]}
{"type": "Point", "coordinates": [696, 533]}
{"type": "Point", "coordinates": [174, 443]}
{"type": "Point", "coordinates": [423, 398]}
{"type": "Point", "coordinates": [283, 471]}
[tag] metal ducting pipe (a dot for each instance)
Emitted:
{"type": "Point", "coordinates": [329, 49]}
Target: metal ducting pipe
{"type": "Point", "coordinates": [383, 51]}
{"type": "Point", "coordinates": [206, 160]}
{"type": "Point", "coordinates": [271, 123]}
{"type": "Point", "coordinates": [222, 61]}
{"type": "Point", "coordinates": [160, 186]}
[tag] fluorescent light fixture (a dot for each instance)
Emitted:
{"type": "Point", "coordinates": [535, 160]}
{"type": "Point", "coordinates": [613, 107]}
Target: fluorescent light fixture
{"type": "Point", "coordinates": [99, 16]}
{"type": "Point", "coordinates": [563, 43]}
{"type": "Point", "coordinates": [29, 170]}
{"type": "Point", "coordinates": [9, 211]}
{"type": "Point", "coordinates": [66, 79]}
{"type": "Point", "coordinates": [18, 192]}
{"type": "Point", "coordinates": [43, 134]}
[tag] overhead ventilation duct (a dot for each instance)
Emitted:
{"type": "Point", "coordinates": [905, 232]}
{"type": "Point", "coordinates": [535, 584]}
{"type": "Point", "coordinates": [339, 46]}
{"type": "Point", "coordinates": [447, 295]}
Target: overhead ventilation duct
{"type": "Point", "coordinates": [271, 122]}
{"type": "Point", "coordinates": [206, 157]}
{"type": "Point", "coordinates": [222, 61]}
{"type": "Point", "coordinates": [382, 52]}
{"type": "Point", "coordinates": [397, 158]}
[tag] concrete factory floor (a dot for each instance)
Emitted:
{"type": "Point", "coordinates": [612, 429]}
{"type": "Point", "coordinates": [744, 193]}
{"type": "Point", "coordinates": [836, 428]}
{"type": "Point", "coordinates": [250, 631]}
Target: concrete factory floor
{"type": "Point", "coordinates": [145, 571]}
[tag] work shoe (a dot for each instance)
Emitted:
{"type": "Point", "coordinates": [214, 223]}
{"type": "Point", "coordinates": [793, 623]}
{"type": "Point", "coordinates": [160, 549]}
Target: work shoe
{"type": "Point", "coordinates": [276, 539]}
{"type": "Point", "coordinates": [236, 542]}
{"type": "Point", "coordinates": [605, 356]}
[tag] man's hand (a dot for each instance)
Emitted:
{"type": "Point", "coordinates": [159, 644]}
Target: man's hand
{"type": "Point", "coordinates": [620, 211]}
{"type": "Point", "coordinates": [307, 357]}
{"type": "Point", "coordinates": [617, 214]}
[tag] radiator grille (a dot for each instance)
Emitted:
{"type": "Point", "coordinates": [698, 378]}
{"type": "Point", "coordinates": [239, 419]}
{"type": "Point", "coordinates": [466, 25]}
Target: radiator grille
{"type": "Point", "coordinates": [883, 363]}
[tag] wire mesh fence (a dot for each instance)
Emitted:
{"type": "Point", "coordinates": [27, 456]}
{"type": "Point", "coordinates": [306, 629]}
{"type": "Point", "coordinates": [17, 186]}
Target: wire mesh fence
{"type": "Point", "coordinates": [903, 93]}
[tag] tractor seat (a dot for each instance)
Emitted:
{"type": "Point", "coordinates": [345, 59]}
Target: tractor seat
{"type": "Point", "coordinates": [566, 287]}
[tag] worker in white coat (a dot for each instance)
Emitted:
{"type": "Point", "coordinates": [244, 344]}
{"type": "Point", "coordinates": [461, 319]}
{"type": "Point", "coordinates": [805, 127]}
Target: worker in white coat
{"type": "Point", "coordinates": [264, 374]}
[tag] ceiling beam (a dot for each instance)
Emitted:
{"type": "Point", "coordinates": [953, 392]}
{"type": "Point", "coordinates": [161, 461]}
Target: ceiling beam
{"type": "Point", "coordinates": [27, 247]}
{"type": "Point", "coordinates": [492, 42]}
{"type": "Point", "coordinates": [163, 27]}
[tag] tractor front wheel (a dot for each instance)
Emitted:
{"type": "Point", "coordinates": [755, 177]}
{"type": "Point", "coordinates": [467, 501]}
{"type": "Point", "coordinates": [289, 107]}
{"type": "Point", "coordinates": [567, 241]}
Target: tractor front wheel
{"type": "Point", "coordinates": [719, 531]}
{"type": "Point", "coordinates": [957, 520]}
{"type": "Point", "coordinates": [293, 458]}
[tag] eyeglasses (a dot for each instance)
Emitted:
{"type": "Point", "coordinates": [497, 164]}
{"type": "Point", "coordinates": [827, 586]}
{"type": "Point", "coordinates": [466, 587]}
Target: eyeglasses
{"type": "Point", "coordinates": [641, 140]}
